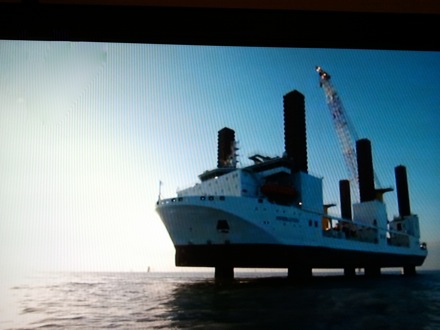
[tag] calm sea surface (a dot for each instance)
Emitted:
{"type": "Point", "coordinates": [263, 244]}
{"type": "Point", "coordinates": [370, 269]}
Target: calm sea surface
{"type": "Point", "coordinates": [195, 301]}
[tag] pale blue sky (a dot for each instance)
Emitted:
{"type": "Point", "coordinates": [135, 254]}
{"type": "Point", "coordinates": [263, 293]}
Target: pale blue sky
{"type": "Point", "coordinates": [87, 130]}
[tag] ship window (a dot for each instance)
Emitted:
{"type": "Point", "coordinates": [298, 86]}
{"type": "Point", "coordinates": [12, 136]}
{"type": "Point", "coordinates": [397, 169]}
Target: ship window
{"type": "Point", "coordinates": [202, 198]}
{"type": "Point", "coordinates": [399, 226]}
{"type": "Point", "coordinates": [310, 223]}
{"type": "Point", "coordinates": [260, 200]}
{"type": "Point", "coordinates": [180, 199]}
{"type": "Point", "coordinates": [222, 198]}
{"type": "Point", "coordinates": [211, 198]}
{"type": "Point", "coordinates": [316, 223]}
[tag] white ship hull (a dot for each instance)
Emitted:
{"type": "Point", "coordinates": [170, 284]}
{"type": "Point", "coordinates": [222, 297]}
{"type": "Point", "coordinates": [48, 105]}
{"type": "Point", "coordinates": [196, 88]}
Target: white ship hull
{"type": "Point", "coordinates": [266, 235]}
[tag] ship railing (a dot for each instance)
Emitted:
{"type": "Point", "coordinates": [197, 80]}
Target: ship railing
{"type": "Point", "coordinates": [351, 230]}
{"type": "Point", "coordinates": [209, 198]}
{"type": "Point", "coordinates": [169, 200]}
{"type": "Point", "coordinates": [399, 238]}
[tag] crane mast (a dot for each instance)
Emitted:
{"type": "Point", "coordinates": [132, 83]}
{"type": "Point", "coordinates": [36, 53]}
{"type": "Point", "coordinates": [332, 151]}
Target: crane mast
{"type": "Point", "coordinates": [345, 131]}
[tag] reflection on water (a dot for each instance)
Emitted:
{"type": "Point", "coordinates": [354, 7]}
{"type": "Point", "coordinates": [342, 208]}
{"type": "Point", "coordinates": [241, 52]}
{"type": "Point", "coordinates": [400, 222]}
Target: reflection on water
{"type": "Point", "coordinates": [330, 302]}
{"type": "Point", "coordinates": [194, 301]}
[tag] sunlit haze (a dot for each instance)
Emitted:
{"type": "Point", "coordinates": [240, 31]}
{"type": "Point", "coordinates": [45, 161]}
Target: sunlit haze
{"type": "Point", "coordinates": [87, 131]}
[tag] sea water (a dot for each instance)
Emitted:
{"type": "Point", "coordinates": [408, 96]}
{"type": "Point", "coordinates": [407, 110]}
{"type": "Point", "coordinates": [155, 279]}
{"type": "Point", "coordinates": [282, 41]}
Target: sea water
{"type": "Point", "coordinates": [253, 300]}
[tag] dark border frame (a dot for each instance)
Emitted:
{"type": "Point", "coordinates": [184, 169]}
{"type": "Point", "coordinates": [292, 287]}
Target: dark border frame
{"type": "Point", "coordinates": [219, 26]}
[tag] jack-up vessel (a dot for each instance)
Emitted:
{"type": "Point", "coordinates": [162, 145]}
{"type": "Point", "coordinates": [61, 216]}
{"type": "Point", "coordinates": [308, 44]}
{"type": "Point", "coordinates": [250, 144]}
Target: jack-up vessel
{"type": "Point", "coordinates": [271, 214]}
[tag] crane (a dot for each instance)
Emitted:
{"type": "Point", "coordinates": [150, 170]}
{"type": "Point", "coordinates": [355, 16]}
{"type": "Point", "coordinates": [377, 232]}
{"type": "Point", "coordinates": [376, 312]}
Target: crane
{"type": "Point", "coordinates": [344, 129]}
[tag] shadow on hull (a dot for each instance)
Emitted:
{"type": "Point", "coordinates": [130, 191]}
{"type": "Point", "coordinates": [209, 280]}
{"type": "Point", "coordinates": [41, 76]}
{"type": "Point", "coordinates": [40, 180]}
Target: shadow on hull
{"type": "Point", "coordinates": [298, 260]}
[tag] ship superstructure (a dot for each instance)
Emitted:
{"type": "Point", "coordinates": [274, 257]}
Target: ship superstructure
{"type": "Point", "coordinates": [271, 214]}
